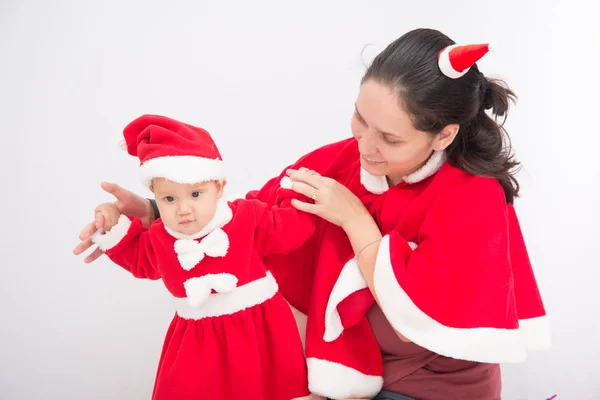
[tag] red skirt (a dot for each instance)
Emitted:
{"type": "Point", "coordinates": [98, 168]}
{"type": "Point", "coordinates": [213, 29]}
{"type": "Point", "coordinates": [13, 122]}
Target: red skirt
{"type": "Point", "coordinates": [254, 353]}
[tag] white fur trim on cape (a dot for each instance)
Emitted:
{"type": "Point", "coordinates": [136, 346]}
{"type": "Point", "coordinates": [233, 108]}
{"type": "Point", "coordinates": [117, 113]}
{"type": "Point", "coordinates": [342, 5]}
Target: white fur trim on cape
{"type": "Point", "coordinates": [108, 240]}
{"type": "Point", "coordinates": [490, 345]}
{"type": "Point", "coordinates": [191, 251]}
{"type": "Point", "coordinates": [222, 217]}
{"type": "Point", "coordinates": [182, 169]}
{"type": "Point", "coordinates": [199, 288]}
{"type": "Point", "coordinates": [334, 380]}
{"type": "Point", "coordinates": [379, 184]}
{"type": "Point", "coordinates": [349, 281]}
{"type": "Point", "coordinates": [445, 65]}
{"type": "Point", "coordinates": [240, 298]}
{"type": "Point", "coordinates": [535, 333]}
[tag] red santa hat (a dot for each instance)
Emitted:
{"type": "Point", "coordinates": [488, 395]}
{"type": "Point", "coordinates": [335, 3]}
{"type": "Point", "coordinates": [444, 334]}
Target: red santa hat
{"type": "Point", "coordinates": [456, 60]}
{"type": "Point", "coordinates": [173, 150]}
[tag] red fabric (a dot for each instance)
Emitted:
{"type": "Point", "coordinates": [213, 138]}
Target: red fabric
{"type": "Point", "coordinates": [462, 261]}
{"type": "Point", "coordinates": [463, 57]}
{"type": "Point", "coordinates": [255, 353]}
{"type": "Point", "coordinates": [153, 136]}
{"type": "Point", "coordinates": [461, 275]}
{"type": "Point", "coordinates": [527, 295]}
{"type": "Point", "coordinates": [294, 272]}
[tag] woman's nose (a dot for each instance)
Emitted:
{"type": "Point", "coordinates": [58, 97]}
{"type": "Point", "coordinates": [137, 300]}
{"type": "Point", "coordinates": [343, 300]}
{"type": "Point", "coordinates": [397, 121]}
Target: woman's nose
{"type": "Point", "coordinates": [366, 143]}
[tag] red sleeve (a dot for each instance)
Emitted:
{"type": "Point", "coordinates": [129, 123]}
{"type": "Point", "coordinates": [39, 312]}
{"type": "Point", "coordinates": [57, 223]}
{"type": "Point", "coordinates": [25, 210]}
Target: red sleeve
{"type": "Point", "coordinates": [128, 245]}
{"type": "Point", "coordinates": [281, 229]}
{"type": "Point", "coordinates": [322, 160]}
{"type": "Point", "coordinates": [294, 271]}
{"type": "Point", "coordinates": [454, 292]}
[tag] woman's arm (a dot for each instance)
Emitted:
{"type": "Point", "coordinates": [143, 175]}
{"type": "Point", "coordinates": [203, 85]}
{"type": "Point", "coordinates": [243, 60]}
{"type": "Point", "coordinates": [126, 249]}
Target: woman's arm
{"type": "Point", "coordinates": [337, 204]}
{"type": "Point", "coordinates": [128, 203]}
{"type": "Point", "coordinates": [364, 236]}
{"type": "Point", "coordinates": [466, 289]}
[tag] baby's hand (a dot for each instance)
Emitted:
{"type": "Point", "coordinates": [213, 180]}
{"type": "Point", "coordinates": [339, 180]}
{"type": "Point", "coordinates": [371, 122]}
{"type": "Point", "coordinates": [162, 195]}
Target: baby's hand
{"type": "Point", "coordinates": [110, 213]}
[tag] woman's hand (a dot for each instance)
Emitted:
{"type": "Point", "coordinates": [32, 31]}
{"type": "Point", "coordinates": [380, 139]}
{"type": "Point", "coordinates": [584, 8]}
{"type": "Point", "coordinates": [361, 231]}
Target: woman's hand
{"type": "Point", "coordinates": [127, 203]}
{"type": "Point", "coordinates": [110, 213]}
{"type": "Point", "coordinates": [332, 200]}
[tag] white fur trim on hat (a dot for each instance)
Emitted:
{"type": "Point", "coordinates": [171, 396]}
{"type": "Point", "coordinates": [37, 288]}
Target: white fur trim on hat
{"type": "Point", "coordinates": [182, 169]}
{"type": "Point", "coordinates": [334, 380]}
{"type": "Point", "coordinates": [108, 240]}
{"type": "Point", "coordinates": [445, 65]}
{"type": "Point", "coordinates": [490, 345]}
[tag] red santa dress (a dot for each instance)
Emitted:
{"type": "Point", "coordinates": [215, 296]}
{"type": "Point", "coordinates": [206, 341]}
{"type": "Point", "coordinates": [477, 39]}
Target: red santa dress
{"type": "Point", "coordinates": [233, 335]}
{"type": "Point", "coordinates": [452, 273]}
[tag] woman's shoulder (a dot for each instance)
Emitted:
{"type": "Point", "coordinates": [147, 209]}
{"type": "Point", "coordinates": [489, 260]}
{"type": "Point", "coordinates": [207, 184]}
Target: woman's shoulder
{"type": "Point", "coordinates": [454, 183]}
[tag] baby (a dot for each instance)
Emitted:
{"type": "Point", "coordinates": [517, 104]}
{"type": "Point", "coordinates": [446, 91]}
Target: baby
{"type": "Point", "coordinates": [233, 335]}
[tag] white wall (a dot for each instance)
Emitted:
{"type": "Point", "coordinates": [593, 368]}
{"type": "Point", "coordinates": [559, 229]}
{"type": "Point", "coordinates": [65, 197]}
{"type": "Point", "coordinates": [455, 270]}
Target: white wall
{"type": "Point", "coordinates": [271, 81]}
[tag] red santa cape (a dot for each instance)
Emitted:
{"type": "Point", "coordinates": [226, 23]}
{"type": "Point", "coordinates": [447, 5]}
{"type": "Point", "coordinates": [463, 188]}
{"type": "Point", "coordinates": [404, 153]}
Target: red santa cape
{"type": "Point", "coordinates": [452, 274]}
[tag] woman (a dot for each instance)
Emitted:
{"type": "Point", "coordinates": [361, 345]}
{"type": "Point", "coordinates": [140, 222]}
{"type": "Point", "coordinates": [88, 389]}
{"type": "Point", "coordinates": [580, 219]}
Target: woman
{"type": "Point", "coordinates": [418, 233]}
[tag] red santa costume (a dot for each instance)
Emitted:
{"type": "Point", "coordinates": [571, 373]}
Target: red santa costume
{"type": "Point", "coordinates": [233, 335]}
{"type": "Point", "coordinates": [452, 273]}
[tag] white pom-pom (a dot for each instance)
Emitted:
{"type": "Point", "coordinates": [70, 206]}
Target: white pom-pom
{"type": "Point", "coordinates": [492, 46]}
{"type": "Point", "coordinates": [285, 182]}
{"type": "Point", "coordinates": [123, 145]}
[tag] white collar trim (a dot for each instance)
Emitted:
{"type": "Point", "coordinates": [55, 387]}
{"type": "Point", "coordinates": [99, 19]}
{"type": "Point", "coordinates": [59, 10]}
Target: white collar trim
{"type": "Point", "coordinates": [379, 184]}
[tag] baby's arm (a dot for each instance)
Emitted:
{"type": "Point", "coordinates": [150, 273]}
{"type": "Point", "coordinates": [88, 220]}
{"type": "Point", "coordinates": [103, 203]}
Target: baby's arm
{"type": "Point", "coordinates": [282, 229]}
{"type": "Point", "coordinates": [126, 242]}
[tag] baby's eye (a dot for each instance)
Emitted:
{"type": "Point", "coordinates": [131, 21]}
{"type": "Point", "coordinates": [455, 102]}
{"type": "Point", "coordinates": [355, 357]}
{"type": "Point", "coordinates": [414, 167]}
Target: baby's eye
{"type": "Point", "coordinates": [169, 199]}
{"type": "Point", "coordinates": [196, 194]}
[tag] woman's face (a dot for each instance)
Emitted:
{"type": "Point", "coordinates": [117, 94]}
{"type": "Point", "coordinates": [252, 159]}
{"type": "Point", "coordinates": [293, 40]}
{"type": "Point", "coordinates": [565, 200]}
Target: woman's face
{"type": "Point", "coordinates": [389, 145]}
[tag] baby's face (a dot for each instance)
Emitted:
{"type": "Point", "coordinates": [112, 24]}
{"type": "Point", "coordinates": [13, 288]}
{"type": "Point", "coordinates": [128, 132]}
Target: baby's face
{"type": "Point", "coordinates": [186, 208]}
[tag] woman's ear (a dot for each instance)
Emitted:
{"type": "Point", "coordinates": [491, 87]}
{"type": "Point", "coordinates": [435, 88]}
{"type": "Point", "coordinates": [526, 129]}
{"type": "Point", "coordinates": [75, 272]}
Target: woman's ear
{"type": "Point", "coordinates": [445, 138]}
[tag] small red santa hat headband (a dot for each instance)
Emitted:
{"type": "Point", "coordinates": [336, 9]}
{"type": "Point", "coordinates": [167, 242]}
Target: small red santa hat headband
{"type": "Point", "coordinates": [172, 150]}
{"type": "Point", "coordinates": [456, 60]}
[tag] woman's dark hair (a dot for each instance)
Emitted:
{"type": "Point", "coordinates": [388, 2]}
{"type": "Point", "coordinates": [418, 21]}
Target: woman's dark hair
{"type": "Point", "coordinates": [482, 146]}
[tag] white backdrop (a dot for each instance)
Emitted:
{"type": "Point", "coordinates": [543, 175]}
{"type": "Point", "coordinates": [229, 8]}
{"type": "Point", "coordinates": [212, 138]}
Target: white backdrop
{"type": "Point", "coordinates": [271, 81]}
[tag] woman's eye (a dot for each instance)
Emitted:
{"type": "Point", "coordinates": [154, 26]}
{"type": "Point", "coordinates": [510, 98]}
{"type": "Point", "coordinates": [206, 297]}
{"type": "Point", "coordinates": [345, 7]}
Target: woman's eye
{"type": "Point", "coordinates": [196, 194]}
{"type": "Point", "coordinates": [169, 199]}
{"type": "Point", "coordinates": [392, 142]}
{"type": "Point", "coordinates": [359, 118]}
